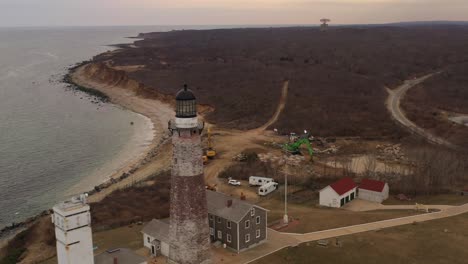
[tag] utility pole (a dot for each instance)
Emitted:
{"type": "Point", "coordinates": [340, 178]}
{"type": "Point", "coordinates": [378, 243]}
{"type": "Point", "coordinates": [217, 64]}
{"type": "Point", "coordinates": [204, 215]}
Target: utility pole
{"type": "Point", "coordinates": [285, 217]}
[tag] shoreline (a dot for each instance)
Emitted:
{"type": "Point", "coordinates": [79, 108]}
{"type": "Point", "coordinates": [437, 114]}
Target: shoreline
{"type": "Point", "coordinates": [130, 156]}
{"type": "Point", "coordinates": [158, 114]}
{"type": "Point", "coordinates": [152, 159]}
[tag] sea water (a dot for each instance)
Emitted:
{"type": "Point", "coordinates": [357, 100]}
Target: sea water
{"type": "Point", "coordinates": [52, 137]}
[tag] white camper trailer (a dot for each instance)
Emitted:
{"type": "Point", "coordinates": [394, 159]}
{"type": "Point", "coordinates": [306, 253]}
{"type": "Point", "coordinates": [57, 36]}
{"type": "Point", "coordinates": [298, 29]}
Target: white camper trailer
{"type": "Point", "coordinates": [267, 188]}
{"type": "Point", "coordinates": [259, 181]}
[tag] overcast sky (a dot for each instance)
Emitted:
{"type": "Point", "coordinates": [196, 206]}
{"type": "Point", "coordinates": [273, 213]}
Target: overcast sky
{"type": "Point", "coordinates": [223, 12]}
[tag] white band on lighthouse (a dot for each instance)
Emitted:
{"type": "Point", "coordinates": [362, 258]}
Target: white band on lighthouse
{"type": "Point", "coordinates": [186, 122]}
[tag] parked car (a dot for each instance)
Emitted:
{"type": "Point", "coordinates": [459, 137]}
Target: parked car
{"type": "Point", "coordinates": [234, 182]}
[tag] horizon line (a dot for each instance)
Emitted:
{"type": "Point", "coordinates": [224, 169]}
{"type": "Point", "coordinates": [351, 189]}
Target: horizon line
{"type": "Point", "coordinates": [224, 25]}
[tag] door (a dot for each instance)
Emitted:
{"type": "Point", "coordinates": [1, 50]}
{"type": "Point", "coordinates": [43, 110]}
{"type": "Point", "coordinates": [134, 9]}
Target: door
{"type": "Point", "coordinates": [153, 250]}
{"type": "Point", "coordinates": [347, 199]}
{"type": "Point", "coordinates": [352, 196]}
{"type": "Point", "coordinates": [342, 202]}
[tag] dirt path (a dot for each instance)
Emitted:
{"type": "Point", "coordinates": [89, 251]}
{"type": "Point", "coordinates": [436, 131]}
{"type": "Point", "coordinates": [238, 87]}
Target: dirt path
{"type": "Point", "coordinates": [393, 106]}
{"type": "Point", "coordinates": [279, 109]}
{"type": "Point", "coordinates": [229, 143]}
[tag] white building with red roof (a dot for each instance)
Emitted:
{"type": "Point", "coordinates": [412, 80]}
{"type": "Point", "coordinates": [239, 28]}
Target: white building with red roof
{"type": "Point", "coordinates": [374, 191]}
{"type": "Point", "coordinates": [339, 193]}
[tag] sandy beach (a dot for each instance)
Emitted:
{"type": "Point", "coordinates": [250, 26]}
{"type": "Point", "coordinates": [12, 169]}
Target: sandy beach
{"type": "Point", "coordinates": [149, 160]}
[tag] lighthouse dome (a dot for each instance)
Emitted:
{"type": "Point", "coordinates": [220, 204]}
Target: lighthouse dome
{"type": "Point", "coordinates": [186, 103]}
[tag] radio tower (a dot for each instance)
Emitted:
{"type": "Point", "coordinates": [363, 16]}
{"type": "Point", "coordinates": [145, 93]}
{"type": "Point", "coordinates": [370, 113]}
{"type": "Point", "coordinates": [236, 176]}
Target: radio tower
{"type": "Point", "coordinates": [189, 230]}
{"type": "Point", "coordinates": [324, 25]}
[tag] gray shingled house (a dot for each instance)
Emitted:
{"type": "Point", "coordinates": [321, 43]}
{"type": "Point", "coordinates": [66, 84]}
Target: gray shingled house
{"type": "Point", "coordinates": [236, 223]}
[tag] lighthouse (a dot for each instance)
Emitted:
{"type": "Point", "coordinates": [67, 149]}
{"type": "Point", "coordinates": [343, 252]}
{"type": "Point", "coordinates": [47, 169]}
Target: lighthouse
{"type": "Point", "coordinates": [72, 220]}
{"type": "Point", "coordinates": [189, 229]}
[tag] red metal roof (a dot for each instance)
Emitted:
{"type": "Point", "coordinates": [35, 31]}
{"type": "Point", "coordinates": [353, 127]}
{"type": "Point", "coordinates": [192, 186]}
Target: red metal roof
{"type": "Point", "coordinates": [372, 185]}
{"type": "Point", "coordinates": [343, 186]}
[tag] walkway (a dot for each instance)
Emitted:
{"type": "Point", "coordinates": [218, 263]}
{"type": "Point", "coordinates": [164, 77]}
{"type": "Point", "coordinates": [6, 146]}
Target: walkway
{"type": "Point", "coordinates": [359, 205]}
{"type": "Point", "coordinates": [277, 240]}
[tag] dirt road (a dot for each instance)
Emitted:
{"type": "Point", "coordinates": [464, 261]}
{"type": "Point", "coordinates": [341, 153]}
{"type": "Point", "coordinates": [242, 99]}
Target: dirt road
{"type": "Point", "coordinates": [279, 109]}
{"type": "Point", "coordinates": [393, 105]}
{"type": "Point", "coordinates": [229, 143]}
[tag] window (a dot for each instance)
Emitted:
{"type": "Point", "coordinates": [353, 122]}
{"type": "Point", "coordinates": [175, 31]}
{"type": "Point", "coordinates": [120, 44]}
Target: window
{"type": "Point", "coordinates": [252, 212]}
{"type": "Point", "coordinates": [219, 219]}
{"type": "Point", "coordinates": [211, 217]}
{"type": "Point", "coordinates": [149, 240]}
{"type": "Point", "coordinates": [158, 247]}
{"type": "Point", "coordinates": [220, 235]}
{"type": "Point", "coordinates": [211, 231]}
{"type": "Point", "coordinates": [257, 220]}
{"type": "Point", "coordinates": [228, 224]}
{"type": "Point", "coordinates": [247, 238]}
{"type": "Point", "coordinates": [247, 224]}
{"type": "Point", "coordinates": [228, 238]}
{"type": "Point", "coordinates": [258, 233]}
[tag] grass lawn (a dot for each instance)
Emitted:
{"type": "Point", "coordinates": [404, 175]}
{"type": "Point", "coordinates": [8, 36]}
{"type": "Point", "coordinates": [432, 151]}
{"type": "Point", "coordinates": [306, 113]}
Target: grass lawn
{"type": "Point", "coordinates": [443, 199]}
{"type": "Point", "coordinates": [438, 241]}
{"type": "Point", "coordinates": [123, 237]}
{"type": "Point", "coordinates": [314, 218]}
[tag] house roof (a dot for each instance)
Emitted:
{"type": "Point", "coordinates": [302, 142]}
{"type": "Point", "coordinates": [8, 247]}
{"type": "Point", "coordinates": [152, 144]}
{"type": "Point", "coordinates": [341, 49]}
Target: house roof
{"type": "Point", "coordinates": [343, 186]}
{"type": "Point", "coordinates": [123, 255]}
{"type": "Point", "coordinates": [372, 185]}
{"type": "Point", "coordinates": [217, 205]}
{"type": "Point", "coordinates": [159, 229]}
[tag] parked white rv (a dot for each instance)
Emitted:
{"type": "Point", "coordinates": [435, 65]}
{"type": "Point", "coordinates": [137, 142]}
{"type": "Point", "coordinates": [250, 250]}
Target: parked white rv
{"type": "Point", "coordinates": [259, 181]}
{"type": "Point", "coordinates": [267, 188]}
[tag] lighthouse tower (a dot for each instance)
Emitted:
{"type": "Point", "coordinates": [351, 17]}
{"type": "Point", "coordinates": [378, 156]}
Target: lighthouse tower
{"type": "Point", "coordinates": [189, 230]}
{"type": "Point", "coordinates": [72, 221]}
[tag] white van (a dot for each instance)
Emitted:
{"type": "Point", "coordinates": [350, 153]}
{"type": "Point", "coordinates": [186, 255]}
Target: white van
{"type": "Point", "coordinates": [259, 181]}
{"type": "Point", "coordinates": [267, 188]}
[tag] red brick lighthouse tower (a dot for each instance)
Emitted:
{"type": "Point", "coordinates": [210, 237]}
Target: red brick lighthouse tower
{"type": "Point", "coordinates": [189, 230]}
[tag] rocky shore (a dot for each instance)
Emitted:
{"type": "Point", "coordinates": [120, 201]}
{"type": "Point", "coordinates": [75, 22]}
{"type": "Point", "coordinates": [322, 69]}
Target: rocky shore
{"type": "Point", "coordinates": [109, 85]}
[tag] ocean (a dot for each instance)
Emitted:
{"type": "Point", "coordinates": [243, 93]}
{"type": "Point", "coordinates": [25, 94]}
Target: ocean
{"type": "Point", "coordinates": [56, 142]}
{"type": "Point", "coordinates": [51, 137]}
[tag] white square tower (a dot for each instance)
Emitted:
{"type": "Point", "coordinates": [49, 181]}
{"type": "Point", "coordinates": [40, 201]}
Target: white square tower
{"type": "Point", "coordinates": [72, 221]}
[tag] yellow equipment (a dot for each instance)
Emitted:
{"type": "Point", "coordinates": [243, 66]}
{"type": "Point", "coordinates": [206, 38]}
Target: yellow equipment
{"type": "Point", "coordinates": [210, 153]}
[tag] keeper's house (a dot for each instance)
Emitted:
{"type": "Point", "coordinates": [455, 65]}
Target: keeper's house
{"type": "Point", "coordinates": [374, 191]}
{"type": "Point", "coordinates": [235, 223]}
{"type": "Point", "coordinates": [339, 193]}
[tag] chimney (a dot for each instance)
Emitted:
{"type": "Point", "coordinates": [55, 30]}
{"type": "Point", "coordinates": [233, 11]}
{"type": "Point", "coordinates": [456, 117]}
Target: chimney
{"type": "Point", "coordinates": [116, 261]}
{"type": "Point", "coordinates": [229, 203]}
